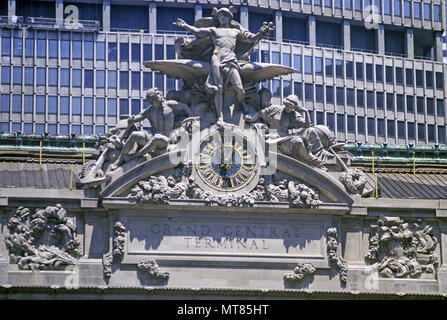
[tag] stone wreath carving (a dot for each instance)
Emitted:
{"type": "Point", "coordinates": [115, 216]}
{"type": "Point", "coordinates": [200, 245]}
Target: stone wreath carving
{"type": "Point", "coordinates": [43, 240]}
{"type": "Point", "coordinates": [151, 266]}
{"type": "Point", "coordinates": [119, 239]}
{"type": "Point", "coordinates": [301, 271]}
{"type": "Point", "coordinates": [160, 189]}
{"type": "Point", "coordinates": [335, 259]}
{"type": "Point", "coordinates": [354, 181]}
{"type": "Point", "coordinates": [399, 251]}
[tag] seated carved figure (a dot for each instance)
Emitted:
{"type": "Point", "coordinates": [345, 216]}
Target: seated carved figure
{"type": "Point", "coordinates": [161, 117]}
{"type": "Point", "coordinates": [309, 144]}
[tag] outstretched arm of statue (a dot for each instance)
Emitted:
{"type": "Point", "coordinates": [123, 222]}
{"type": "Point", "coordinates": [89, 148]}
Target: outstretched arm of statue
{"type": "Point", "coordinates": [264, 31]}
{"type": "Point", "coordinates": [138, 118]}
{"type": "Point", "coordinates": [199, 32]}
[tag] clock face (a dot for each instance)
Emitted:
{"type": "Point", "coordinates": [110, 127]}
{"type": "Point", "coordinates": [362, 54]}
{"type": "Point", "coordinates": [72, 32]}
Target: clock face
{"type": "Point", "coordinates": [226, 162]}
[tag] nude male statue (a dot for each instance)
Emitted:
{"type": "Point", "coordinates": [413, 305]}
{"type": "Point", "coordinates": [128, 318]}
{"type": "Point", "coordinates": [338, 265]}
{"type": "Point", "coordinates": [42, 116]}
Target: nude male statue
{"type": "Point", "coordinates": [161, 118]}
{"type": "Point", "coordinates": [223, 60]}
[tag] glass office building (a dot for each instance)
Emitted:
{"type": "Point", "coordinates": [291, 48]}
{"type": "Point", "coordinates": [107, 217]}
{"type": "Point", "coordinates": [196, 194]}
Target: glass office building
{"type": "Point", "coordinates": [74, 67]}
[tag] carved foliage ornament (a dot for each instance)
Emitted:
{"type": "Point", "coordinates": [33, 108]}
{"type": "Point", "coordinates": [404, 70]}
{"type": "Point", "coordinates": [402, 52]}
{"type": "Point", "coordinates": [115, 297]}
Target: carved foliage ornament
{"type": "Point", "coordinates": [301, 271]}
{"type": "Point", "coordinates": [119, 239]}
{"type": "Point", "coordinates": [43, 240]}
{"type": "Point", "coordinates": [335, 259]}
{"type": "Point", "coordinates": [399, 250]}
{"type": "Point", "coordinates": [150, 266]}
{"type": "Point", "coordinates": [159, 190]}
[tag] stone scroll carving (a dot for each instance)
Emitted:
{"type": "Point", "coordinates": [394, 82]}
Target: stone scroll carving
{"type": "Point", "coordinates": [301, 271]}
{"type": "Point", "coordinates": [354, 181]}
{"type": "Point", "coordinates": [119, 240]}
{"type": "Point", "coordinates": [401, 250]}
{"type": "Point", "coordinates": [150, 266]}
{"type": "Point", "coordinates": [334, 257]}
{"type": "Point", "coordinates": [160, 189]}
{"type": "Point", "coordinates": [43, 240]}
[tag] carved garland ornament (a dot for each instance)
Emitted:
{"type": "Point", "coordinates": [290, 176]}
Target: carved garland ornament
{"type": "Point", "coordinates": [301, 271]}
{"type": "Point", "coordinates": [119, 239]}
{"type": "Point", "coordinates": [335, 259]}
{"type": "Point", "coordinates": [43, 240]}
{"type": "Point", "coordinates": [150, 266]}
{"type": "Point", "coordinates": [159, 190]}
{"type": "Point", "coordinates": [401, 251]}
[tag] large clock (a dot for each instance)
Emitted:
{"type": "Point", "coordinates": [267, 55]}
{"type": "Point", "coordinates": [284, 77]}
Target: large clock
{"type": "Point", "coordinates": [226, 162]}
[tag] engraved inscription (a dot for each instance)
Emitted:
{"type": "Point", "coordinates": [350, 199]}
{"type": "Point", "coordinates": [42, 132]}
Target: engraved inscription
{"type": "Point", "coordinates": [224, 237]}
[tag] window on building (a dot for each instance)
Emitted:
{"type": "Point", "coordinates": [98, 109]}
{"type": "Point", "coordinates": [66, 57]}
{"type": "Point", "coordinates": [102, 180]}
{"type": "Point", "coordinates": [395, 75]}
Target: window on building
{"type": "Point", "coordinates": [380, 100]}
{"type": "Point", "coordinates": [17, 103]}
{"type": "Point", "coordinates": [359, 71]}
{"type": "Point", "coordinates": [348, 5]}
{"type": "Point", "coordinates": [351, 124]}
{"type": "Point", "coordinates": [76, 47]}
{"type": "Point", "coordinates": [29, 76]}
{"type": "Point", "coordinates": [28, 104]}
{"type": "Point", "coordinates": [159, 52]}
{"type": "Point", "coordinates": [135, 52]}
{"type": "Point", "coordinates": [410, 104]}
{"type": "Point", "coordinates": [399, 76]}
{"type": "Point", "coordinates": [417, 10]}
{"type": "Point", "coordinates": [409, 77]}
{"type": "Point", "coordinates": [147, 80]}
{"type": "Point", "coordinates": [379, 73]}
{"type": "Point", "coordinates": [18, 47]}
{"type": "Point", "coordinates": [100, 50]}
{"type": "Point", "coordinates": [147, 52]}
{"type": "Point", "coordinates": [427, 12]}
{"type": "Point", "coordinates": [358, 5]}
{"type": "Point", "coordinates": [65, 49]}
{"type": "Point", "coordinates": [309, 92]}
{"type": "Point", "coordinates": [276, 88]}
{"type": "Point", "coordinates": [64, 105]}
{"type": "Point", "coordinates": [112, 51]}
{"type": "Point", "coordinates": [4, 107]}
{"type": "Point", "coordinates": [124, 80]}
{"type": "Point", "coordinates": [439, 80]}
{"type": "Point", "coordinates": [387, 7]}
{"type": "Point", "coordinates": [124, 106]}
{"type": "Point", "coordinates": [370, 99]}
{"type": "Point", "coordinates": [308, 64]}
{"type": "Point", "coordinates": [297, 62]}
{"type": "Point", "coordinates": [360, 98]}
{"type": "Point", "coordinates": [330, 121]}
{"type": "Point", "coordinates": [363, 38]}
{"type": "Point", "coordinates": [76, 77]}
{"type": "Point", "coordinates": [52, 105]}
{"type": "Point", "coordinates": [329, 67]}
{"type": "Point", "coordinates": [88, 106]}
{"type": "Point", "coordinates": [65, 77]}
{"type": "Point", "coordinates": [124, 52]}
{"type": "Point", "coordinates": [389, 74]}
{"type": "Point", "coordinates": [265, 56]}
{"type": "Point", "coordinates": [166, 15]}
{"type": "Point", "coordinates": [401, 129]}
{"type": "Point", "coordinates": [88, 78]}
{"type": "Point", "coordinates": [100, 107]}
{"type": "Point", "coordinates": [421, 131]}
{"type": "Point", "coordinates": [125, 17]}
{"type": "Point", "coordinates": [340, 96]}
{"type": "Point", "coordinates": [440, 110]}
{"type": "Point", "coordinates": [420, 105]}
{"type": "Point", "coordinates": [318, 65]}
{"type": "Point", "coordinates": [41, 48]}
{"type": "Point", "coordinates": [411, 129]}
{"type": "Point", "coordinates": [76, 106]}
{"type": "Point", "coordinates": [294, 29]}
{"type": "Point", "coordinates": [298, 90]}
{"type": "Point", "coordinates": [391, 129]}
{"type": "Point", "coordinates": [350, 97]}
{"type": "Point", "coordinates": [441, 134]}
{"type": "Point", "coordinates": [397, 11]}
{"type": "Point", "coordinates": [369, 72]}
{"type": "Point", "coordinates": [287, 88]}
{"type": "Point", "coordinates": [329, 94]}
{"type": "Point", "coordinates": [29, 48]}
{"type": "Point", "coordinates": [361, 125]}
{"type": "Point", "coordinates": [341, 123]}
{"type": "Point", "coordinates": [135, 80]}
{"type": "Point", "coordinates": [328, 34]}
{"type": "Point", "coordinates": [419, 78]}
{"type": "Point", "coordinates": [390, 101]}
{"type": "Point", "coordinates": [328, 3]}
{"type": "Point", "coordinates": [111, 79]}
{"type": "Point", "coordinates": [111, 107]}
{"type": "Point", "coordinates": [339, 69]}
{"type": "Point", "coordinates": [41, 76]}
{"type": "Point", "coordinates": [40, 104]}
{"type": "Point", "coordinates": [88, 50]}
{"type": "Point", "coordinates": [52, 77]}
{"type": "Point", "coordinates": [52, 46]}
{"type": "Point", "coordinates": [135, 106]}
{"type": "Point", "coordinates": [429, 79]}
{"type": "Point", "coordinates": [100, 78]}
{"type": "Point", "coordinates": [430, 106]}
{"type": "Point", "coordinates": [400, 103]}
{"type": "Point", "coordinates": [371, 126]}
{"type": "Point", "coordinates": [17, 75]}
{"type": "Point", "coordinates": [381, 127]}
{"type": "Point", "coordinates": [6, 75]}
{"type": "Point", "coordinates": [436, 12]}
